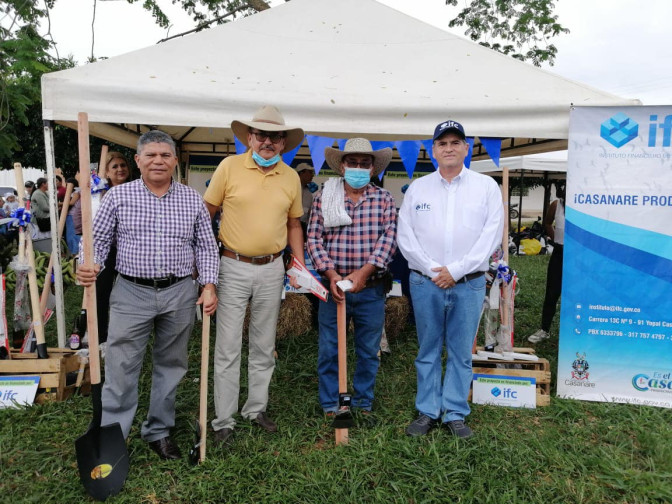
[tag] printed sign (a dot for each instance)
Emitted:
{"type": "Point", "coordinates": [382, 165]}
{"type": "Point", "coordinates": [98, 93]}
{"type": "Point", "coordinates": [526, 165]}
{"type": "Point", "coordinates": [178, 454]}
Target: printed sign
{"type": "Point", "coordinates": [17, 390]}
{"type": "Point", "coordinates": [503, 390]}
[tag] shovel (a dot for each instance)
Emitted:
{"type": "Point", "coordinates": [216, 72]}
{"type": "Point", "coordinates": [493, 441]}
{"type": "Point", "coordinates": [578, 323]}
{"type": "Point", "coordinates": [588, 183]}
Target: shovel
{"type": "Point", "coordinates": [197, 452]}
{"type": "Point", "coordinates": [102, 457]}
{"type": "Point", "coordinates": [343, 419]}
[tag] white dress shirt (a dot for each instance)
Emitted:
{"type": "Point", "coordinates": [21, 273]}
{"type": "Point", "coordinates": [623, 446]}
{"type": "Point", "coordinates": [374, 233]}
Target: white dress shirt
{"type": "Point", "coordinates": [456, 224]}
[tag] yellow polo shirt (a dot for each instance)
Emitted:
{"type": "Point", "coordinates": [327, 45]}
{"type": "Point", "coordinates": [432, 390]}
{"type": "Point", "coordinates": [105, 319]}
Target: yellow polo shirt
{"type": "Point", "coordinates": [255, 205]}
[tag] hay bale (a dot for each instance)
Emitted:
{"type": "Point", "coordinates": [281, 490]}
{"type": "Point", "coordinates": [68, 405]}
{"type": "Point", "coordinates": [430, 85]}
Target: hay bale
{"type": "Point", "coordinates": [294, 317]}
{"type": "Point", "coordinates": [396, 316]}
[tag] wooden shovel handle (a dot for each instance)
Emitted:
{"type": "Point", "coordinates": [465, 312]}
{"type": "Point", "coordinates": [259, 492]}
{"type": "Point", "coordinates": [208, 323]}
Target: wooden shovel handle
{"type": "Point", "coordinates": [61, 225]}
{"type": "Point", "coordinates": [205, 355]}
{"type": "Point", "coordinates": [342, 348]}
{"type": "Point", "coordinates": [87, 244]}
{"type": "Point", "coordinates": [26, 248]}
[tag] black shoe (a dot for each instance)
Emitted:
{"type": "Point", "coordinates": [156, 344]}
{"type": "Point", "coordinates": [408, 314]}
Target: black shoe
{"type": "Point", "coordinates": [223, 437]}
{"type": "Point", "coordinates": [420, 426]}
{"type": "Point", "coordinates": [265, 423]}
{"type": "Point", "coordinates": [459, 429]}
{"type": "Point", "coordinates": [166, 448]}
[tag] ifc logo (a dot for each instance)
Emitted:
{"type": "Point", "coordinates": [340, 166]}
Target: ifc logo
{"type": "Point", "coordinates": [619, 130]}
{"type": "Point", "coordinates": [496, 392]}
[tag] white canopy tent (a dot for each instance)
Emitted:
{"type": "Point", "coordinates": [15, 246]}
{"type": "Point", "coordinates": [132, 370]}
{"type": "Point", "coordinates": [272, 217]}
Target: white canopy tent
{"type": "Point", "coordinates": [535, 164]}
{"type": "Point", "coordinates": [336, 69]}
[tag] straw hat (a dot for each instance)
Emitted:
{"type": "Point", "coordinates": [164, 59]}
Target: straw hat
{"type": "Point", "coordinates": [381, 158]}
{"type": "Point", "coordinates": [268, 118]}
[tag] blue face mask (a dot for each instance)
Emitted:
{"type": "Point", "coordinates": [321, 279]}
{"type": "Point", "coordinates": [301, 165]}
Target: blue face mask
{"type": "Point", "coordinates": [265, 163]}
{"type": "Point", "coordinates": [357, 177]}
{"type": "Point", "coordinates": [312, 187]}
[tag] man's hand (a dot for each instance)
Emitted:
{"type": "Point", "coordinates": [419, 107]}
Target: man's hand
{"type": "Point", "coordinates": [358, 279]}
{"type": "Point", "coordinates": [87, 276]}
{"type": "Point", "coordinates": [444, 279]}
{"type": "Point", "coordinates": [336, 292]}
{"type": "Point", "coordinates": [208, 299]}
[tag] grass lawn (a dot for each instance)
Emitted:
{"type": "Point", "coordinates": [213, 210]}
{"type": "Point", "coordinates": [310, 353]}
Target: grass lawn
{"type": "Point", "coordinates": [569, 452]}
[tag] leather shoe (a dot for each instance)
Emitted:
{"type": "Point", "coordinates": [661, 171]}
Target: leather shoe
{"type": "Point", "coordinates": [223, 437]}
{"type": "Point", "coordinates": [166, 448]}
{"type": "Point", "coordinates": [265, 423]}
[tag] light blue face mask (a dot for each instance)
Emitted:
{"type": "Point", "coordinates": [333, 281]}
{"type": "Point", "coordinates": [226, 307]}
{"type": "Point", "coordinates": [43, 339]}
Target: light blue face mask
{"type": "Point", "coordinates": [357, 177]}
{"type": "Point", "coordinates": [265, 163]}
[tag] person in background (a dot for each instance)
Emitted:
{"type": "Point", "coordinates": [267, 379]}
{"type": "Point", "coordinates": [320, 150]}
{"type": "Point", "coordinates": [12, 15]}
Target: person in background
{"type": "Point", "coordinates": [117, 173]}
{"type": "Point", "coordinates": [162, 232]}
{"type": "Point", "coordinates": [39, 208]}
{"type": "Point", "coordinates": [351, 236]}
{"type": "Point", "coordinates": [260, 199]}
{"type": "Point", "coordinates": [450, 223]}
{"type": "Point", "coordinates": [554, 214]}
{"type": "Point", "coordinates": [71, 236]}
{"type": "Point", "coordinates": [29, 185]}
{"type": "Point", "coordinates": [10, 203]}
{"type": "Point", "coordinates": [60, 192]}
{"type": "Point", "coordinates": [306, 174]}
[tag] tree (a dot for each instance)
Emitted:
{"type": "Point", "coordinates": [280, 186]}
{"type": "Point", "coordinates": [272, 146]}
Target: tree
{"type": "Point", "coordinates": [526, 24]}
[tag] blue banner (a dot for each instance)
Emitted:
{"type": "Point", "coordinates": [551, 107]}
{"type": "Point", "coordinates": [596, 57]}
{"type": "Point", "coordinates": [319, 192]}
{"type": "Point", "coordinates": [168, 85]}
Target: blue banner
{"type": "Point", "coordinates": [616, 315]}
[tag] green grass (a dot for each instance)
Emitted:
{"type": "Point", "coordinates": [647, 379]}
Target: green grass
{"type": "Point", "coordinates": [569, 452]}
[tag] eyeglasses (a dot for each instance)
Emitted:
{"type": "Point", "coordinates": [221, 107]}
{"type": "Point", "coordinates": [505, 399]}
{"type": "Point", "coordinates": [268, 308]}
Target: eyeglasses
{"type": "Point", "coordinates": [274, 136]}
{"type": "Point", "coordinates": [353, 163]}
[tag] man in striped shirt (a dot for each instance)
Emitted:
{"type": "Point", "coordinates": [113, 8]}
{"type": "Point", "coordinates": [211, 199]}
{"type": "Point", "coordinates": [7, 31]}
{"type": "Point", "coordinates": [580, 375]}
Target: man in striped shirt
{"type": "Point", "coordinates": [161, 229]}
{"type": "Point", "coordinates": [351, 236]}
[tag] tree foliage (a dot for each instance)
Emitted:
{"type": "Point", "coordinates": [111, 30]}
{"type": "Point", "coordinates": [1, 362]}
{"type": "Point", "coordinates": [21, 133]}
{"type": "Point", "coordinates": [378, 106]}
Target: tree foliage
{"type": "Point", "coordinates": [524, 26]}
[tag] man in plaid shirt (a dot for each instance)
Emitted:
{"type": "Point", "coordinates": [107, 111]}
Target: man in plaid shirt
{"type": "Point", "coordinates": [162, 230]}
{"type": "Point", "coordinates": [351, 236]}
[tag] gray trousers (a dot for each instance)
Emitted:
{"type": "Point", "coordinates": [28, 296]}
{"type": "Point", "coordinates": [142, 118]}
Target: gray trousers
{"type": "Point", "coordinates": [134, 311]}
{"type": "Point", "coordinates": [239, 283]}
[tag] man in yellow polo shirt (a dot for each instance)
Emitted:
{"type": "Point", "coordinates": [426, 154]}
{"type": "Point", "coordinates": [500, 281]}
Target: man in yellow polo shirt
{"type": "Point", "coordinates": [260, 199]}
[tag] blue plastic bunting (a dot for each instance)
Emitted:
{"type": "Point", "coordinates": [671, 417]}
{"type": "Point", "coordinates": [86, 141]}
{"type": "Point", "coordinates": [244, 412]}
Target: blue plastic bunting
{"type": "Point", "coordinates": [317, 144]}
{"type": "Point", "coordinates": [409, 151]}
{"type": "Point", "coordinates": [494, 148]}
{"type": "Point", "coordinates": [240, 148]}
{"type": "Point", "coordinates": [428, 147]}
{"type": "Point", "coordinates": [467, 160]}
{"type": "Point", "coordinates": [288, 157]}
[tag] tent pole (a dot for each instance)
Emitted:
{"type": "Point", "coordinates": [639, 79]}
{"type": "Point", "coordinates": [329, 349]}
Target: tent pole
{"type": "Point", "coordinates": [507, 218]}
{"type": "Point", "coordinates": [547, 195]}
{"type": "Point", "coordinates": [520, 205]}
{"type": "Point", "coordinates": [55, 238]}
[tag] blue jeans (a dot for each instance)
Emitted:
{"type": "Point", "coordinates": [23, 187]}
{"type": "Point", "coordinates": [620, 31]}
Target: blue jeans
{"type": "Point", "coordinates": [71, 238]}
{"type": "Point", "coordinates": [367, 310]}
{"type": "Point", "coordinates": [445, 317]}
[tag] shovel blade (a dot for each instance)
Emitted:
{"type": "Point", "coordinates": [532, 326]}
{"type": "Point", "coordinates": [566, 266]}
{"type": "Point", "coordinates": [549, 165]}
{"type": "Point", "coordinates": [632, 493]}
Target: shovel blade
{"type": "Point", "coordinates": [102, 459]}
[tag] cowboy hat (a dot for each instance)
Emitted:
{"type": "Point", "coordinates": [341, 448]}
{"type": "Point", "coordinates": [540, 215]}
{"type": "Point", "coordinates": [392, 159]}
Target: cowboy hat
{"type": "Point", "coordinates": [268, 118]}
{"type": "Point", "coordinates": [381, 158]}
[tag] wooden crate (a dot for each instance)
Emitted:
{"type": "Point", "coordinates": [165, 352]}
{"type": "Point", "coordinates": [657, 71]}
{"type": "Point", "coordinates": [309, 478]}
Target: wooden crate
{"type": "Point", "coordinates": [53, 372]}
{"type": "Point", "coordinates": [540, 369]}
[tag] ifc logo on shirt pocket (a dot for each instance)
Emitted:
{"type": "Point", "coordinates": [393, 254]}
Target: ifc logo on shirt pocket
{"type": "Point", "coordinates": [423, 207]}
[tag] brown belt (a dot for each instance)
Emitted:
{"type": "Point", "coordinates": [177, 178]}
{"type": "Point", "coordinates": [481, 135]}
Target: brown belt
{"type": "Point", "coordinates": [465, 278]}
{"type": "Point", "coordinates": [265, 259]}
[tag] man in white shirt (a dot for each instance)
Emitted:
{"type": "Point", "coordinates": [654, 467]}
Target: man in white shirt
{"type": "Point", "coordinates": [449, 224]}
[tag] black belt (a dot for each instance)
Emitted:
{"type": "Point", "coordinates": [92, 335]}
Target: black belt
{"type": "Point", "coordinates": [157, 283]}
{"type": "Point", "coordinates": [265, 259]}
{"type": "Point", "coordinates": [470, 276]}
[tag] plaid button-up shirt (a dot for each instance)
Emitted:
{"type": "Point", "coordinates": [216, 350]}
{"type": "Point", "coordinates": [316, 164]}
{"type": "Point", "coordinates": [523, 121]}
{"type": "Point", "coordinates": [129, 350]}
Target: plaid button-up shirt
{"type": "Point", "coordinates": [370, 239]}
{"type": "Point", "coordinates": [156, 236]}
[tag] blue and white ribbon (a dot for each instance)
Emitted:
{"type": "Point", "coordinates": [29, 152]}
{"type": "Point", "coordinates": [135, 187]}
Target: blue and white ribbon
{"type": "Point", "coordinates": [98, 184]}
{"type": "Point", "coordinates": [21, 217]}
